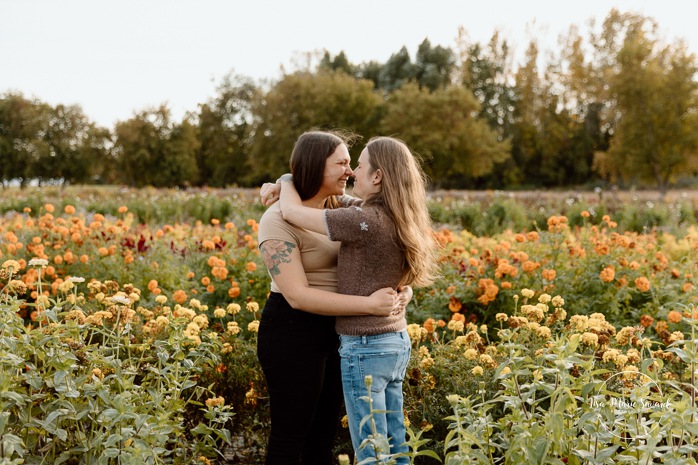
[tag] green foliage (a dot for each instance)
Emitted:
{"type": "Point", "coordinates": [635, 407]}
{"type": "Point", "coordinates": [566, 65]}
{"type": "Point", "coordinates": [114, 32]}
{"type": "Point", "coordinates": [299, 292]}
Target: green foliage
{"type": "Point", "coordinates": [74, 392]}
{"type": "Point", "coordinates": [439, 126]}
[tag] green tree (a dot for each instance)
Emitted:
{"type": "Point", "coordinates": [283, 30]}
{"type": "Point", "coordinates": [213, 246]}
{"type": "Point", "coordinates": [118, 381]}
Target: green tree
{"type": "Point", "coordinates": [65, 134]}
{"type": "Point", "coordinates": [441, 126]}
{"type": "Point", "coordinates": [153, 151]}
{"type": "Point", "coordinates": [21, 145]}
{"type": "Point", "coordinates": [655, 90]}
{"type": "Point", "coordinates": [488, 73]}
{"type": "Point", "coordinates": [225, 125]}
{"type": "Point", "coordinates": [302, 101]}
{"type": "Point", "coordinates": [339, 63]}
{"type": "Point", "coordinates": [434, 66]}
{"type": "Point", "coordinates": [397, 71]}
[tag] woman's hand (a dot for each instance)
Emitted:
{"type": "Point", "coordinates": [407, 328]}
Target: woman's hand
{"type": "Point", "coordinates": [384, 302]}
{"type": "Point", "coordinates": [404, 297]}
{"type": "Point", "coordinates": [269, 193]}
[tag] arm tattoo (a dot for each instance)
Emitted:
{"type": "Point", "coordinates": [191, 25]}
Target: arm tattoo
{"type": "Point", "coordinates": [275, 252]}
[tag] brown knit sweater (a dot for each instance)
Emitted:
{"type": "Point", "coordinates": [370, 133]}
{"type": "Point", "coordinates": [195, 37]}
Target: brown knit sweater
{"type": "Point", "coordinates": [369, 259]}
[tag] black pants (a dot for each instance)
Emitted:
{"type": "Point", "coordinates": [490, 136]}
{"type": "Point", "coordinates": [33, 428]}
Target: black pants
{"type": "Point", "coordinates": [299, 355]}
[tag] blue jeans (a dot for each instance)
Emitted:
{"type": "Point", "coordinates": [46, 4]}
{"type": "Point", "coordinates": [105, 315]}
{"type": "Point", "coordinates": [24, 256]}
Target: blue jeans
{"type": "Point", "coordinates": [384, 357]}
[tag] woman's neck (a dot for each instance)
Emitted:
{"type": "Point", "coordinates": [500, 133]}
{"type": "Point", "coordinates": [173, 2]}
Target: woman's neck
{"type": "Point", "coordinates": [315, 202]}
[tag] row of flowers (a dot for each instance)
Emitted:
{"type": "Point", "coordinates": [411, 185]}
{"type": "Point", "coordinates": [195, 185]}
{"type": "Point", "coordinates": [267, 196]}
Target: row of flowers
{"type": "Point", "coordinates": [114, 291]}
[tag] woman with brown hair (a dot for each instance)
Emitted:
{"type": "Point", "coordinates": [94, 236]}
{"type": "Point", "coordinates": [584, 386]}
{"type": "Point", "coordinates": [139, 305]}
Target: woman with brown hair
{"type": "Point", "coordinates": [297, 342]}
{"type": "Point", "coordinates": [386, 241]}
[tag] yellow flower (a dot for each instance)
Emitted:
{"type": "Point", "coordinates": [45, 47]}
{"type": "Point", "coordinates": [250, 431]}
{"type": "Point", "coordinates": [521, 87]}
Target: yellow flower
{"type": "Point", "coordinates": [253, 326]}
{"type": "Point", "coordinates": [477, 371]}
{"type": "Point", "coordinates": [219, 313]}
{"type": "Point", "coordinates": [233, 327]}
{"type": "Point", "coordinates": [454, 325]}
{"type": "Point", "coordinates": [233, 308]}
{"type": "Point", "coordinates": [501, 317]}
{"type": "Point", "coordinates": [252, 307]}
{"type": "Point", "coordinates": [471, 354]}
{"type": "Point", "coordinates": [590, 339]}
{"type": "Point", "coordinates": [12, 265]}
{"type": "Point", "coordinates": [528, 293]}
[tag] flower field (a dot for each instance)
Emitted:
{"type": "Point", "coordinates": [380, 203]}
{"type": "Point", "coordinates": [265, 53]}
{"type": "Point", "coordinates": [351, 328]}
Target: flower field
{"type": "Point", "coordinates": [125, 338]}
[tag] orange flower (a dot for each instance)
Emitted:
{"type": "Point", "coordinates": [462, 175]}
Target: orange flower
{"type": "Point", "coordinates": [215, 221]}
{"type": "Point", "coordinates": [152, 284]}
{"type": "Point", "coordinates": [233, 292]}
{"type": "Point", "coordinates": [454, 305]}
{"type": "Point", "coordinates": [179, 296]}
{"type": "Point", "coordinates": [429, 325]}
{"type": "Point", "coordinates": [530, 266]}
{"type": "Point", "coordinates": [505, 285]}
{"type": "Point", "coordinates": [585, 214]}
{"type": "Point", "coordinates": [49, 208]}
{"type": "Point", "coordinates": [549, 274]}
{"type": "Point", "coordinates": [255, 226]}
{"type": "Point", "coordinates": [660, 326]}
{"type": "Point", "coordinates": [229, 225]}
{"type": "Point", "coordinates": [190, 275]}
{"type": "Point", "coordinates": [608, 274]}
{"type": "Point", "coordinates": [251, 266]}
{"type": "Point", "coordinates": [123, 209]}
{"type": "Point", "coordinates": [69, 209]}
{"type": "Point", "coordinates": [520, 238]}
{"type": "Point", "coordinates": [205, 280]}
{"type": "Point", "coordinates": [458, 317]}
{"type": "Point", "coordinates": [688, 287]}
{"type": "Point", "coordinates": [219, 272]}
{"type": "Point", "coordinates": [208, 245]}
{"type": "Point", "coordinates": [674, 316]}
{"type": "Point", "coordinates": [210, 288]}
{"type": "Point", "coordinates": [646, 321]}
{"type": "Point", "coordinates": [642, 284]}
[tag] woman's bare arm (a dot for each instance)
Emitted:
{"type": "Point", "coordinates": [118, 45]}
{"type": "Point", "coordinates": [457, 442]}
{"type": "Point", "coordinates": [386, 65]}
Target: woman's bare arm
{"type": "Point", "coordinates": [284, 264]}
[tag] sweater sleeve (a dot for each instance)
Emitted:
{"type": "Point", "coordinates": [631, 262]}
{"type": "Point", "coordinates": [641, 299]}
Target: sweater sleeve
{"type": "Point", "coordinates": [352, 224]}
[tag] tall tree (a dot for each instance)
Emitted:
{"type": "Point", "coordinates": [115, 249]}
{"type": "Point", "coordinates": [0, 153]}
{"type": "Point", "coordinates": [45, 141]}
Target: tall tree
{"type": "Point", "coordinates": [442, 127]}
{"type": "Point", "coordinates": [397, 71]}
{"type": "Point", "coordinates": [65, 133]}
{"type": "Point", "coordinates": [434, 66]}
{"type": "Point", "coordinates": [655, 91]}
{"type": "Point", "coordinates": [153, 151]}
{"type": "Point", "coordinates": [21, 143]}
{"type": "Point", "coordinates": [225, 125]}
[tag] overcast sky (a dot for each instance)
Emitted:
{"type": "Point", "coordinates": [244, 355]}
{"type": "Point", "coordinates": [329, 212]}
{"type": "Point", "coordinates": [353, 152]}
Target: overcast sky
{"type": "Point", "coordinates": [117, 57]}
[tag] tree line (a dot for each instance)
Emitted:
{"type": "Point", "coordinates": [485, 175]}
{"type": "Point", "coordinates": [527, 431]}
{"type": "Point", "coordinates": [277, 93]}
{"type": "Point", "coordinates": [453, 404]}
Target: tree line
{"type": "Point", "coordinates": [615, 106]}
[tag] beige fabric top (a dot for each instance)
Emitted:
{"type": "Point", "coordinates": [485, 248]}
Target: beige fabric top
{"type": "Point", "coordinates": [318, 252]}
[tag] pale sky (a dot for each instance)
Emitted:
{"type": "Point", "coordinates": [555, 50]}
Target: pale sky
{"type": "Point", "coordinates": [118, 57]}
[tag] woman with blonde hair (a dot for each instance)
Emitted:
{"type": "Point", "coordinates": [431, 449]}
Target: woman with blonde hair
{"type": "Point", "coordinates": [385, 241]}
{"type": "Point", "coordinates": [297, 344]}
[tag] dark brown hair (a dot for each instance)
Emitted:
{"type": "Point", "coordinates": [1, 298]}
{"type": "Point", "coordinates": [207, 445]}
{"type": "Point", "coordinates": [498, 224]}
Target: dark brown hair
{"type": "Point", "coordinates": [308, 160]}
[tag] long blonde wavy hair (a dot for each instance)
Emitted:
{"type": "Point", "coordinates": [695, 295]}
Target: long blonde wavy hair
{"type": "Point", "coordinates": [403, 196]}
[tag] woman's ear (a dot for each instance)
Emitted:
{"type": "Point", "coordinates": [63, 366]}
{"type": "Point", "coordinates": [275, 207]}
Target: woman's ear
{"type": "Point", "coordinates": [377, 176]}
